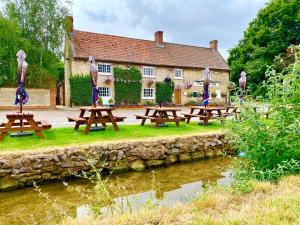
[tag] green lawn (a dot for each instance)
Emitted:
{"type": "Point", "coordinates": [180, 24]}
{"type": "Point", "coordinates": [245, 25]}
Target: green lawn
{"type": "Point", "coordinates": [66, 136]}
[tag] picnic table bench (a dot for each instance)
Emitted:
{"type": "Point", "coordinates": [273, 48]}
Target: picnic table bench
{"type": "Point", "coordinates": [96, 117]}
{"type": "Point", "coordinates": [204, 113]}
{"type": "Point", "coordinates": [160, 116]}
{"type": "Point", "coordinates": [19, 122]}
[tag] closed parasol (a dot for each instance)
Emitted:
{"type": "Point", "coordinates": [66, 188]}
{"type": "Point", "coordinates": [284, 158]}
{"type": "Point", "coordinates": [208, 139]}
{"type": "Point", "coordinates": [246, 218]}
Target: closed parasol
{"type": "Point", "coordinates": [206, 77]}
{"type": "Point", "coordinates": [21, 93]}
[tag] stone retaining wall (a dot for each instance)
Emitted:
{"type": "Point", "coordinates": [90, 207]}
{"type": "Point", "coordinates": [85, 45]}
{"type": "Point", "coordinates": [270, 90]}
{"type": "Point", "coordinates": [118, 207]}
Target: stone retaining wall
{"type": "Point", "coordinates": [21, 169]}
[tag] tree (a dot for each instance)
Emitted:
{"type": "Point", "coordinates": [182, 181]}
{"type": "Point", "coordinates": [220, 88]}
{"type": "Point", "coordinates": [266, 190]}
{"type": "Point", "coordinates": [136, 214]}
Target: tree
{"type": "Point", "coordinates": [38, 28]}
{"type": "Point", "coordinates": [9, 44]}
{"type": "Point", "coordinates": [276, 27]}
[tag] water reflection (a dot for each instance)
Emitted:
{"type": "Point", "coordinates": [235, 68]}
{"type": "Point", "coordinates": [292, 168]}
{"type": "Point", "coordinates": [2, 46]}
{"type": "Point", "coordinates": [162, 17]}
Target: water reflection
{"type": "Point", "coordinates": [177, 183]}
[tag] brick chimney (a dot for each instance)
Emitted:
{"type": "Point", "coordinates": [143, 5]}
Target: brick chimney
{"type": "Point", "coordinates": [159, 38]}
{"type": "Point", "coordinates": [214, 44]}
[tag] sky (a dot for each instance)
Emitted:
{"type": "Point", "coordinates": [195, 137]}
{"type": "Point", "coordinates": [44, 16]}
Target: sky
{"type": "Point", "coordinates": [191, 22]}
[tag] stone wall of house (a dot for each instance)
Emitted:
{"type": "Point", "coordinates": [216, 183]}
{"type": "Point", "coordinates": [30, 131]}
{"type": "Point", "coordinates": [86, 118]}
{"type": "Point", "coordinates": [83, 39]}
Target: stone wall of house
{"type": "Point", "coordinates": [189, 77]}
{"type": "Point", "coordinates": [38, 98]}
{"type": "Point", "coordinates": [19, 169]}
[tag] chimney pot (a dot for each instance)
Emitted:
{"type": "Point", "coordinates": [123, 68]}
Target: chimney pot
{"type": "Point", "coordinates": [214, 44]}
{"type": "Point", "coordinates": [159, 38]}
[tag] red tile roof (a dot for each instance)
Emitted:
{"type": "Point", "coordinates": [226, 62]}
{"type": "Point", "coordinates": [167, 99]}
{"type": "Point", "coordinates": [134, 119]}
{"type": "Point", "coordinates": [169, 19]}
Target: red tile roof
{"type": "Point", "coordinates": [122, 49]}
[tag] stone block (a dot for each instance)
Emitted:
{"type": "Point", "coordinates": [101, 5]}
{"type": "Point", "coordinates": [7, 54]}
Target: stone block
{"type": "Point", "coordinates": [185, 157]}
{"type": "Point", "coordinates": [8, 183]}
{"type": "Point", "coordinates": [198, 155]}
{"type": "Point", "coordinates": [138, 165]}
{"type": "Point", "coordinates": [171, 159]}
{"type": "Point", "coordinates": [154, 162]}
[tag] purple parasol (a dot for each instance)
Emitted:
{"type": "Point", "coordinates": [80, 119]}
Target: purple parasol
{"type": "Point", "coordinates": [94, 77]}
{"type": "Point", "coordinates": [21, 93]}
{"type": "Point", "coordinates": [206, 77]}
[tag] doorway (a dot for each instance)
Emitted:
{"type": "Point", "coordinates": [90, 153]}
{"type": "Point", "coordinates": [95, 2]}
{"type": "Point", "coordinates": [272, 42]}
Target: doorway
{"type": "Point", "coordinates": [178, 96]}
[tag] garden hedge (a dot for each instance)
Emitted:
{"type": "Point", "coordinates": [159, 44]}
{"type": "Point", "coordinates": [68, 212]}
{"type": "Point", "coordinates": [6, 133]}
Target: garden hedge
{"type": "Point", "coordinates": [128, 86]}
{"type": "Point", "coordinates": [164, 92]}
{"type": "Point", "coordinates": [81, 93]}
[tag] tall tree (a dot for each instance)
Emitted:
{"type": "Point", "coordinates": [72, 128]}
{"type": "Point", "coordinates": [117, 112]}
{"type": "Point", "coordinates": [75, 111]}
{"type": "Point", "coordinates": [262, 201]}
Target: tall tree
{"type": "Point", "coordinates": [9, 43]}
{"type": "Point", "coordinates": [39, 26]}
{"type": "Point", "coordinates": [276, 27]}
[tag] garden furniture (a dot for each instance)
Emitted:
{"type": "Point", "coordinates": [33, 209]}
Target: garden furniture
{"type": "Point", "coordinates": [98, 115]}
{"type": "Point", "coordinates": [160, 116]}
{"type": "Point", "coordinates": [204, 113]}
{"type": "Point", "coordinates": [20, 122]}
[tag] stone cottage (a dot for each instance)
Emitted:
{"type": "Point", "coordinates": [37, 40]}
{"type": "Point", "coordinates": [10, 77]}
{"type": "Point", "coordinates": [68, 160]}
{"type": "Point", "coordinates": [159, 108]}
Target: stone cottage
{"type": "Point", "coordinates": [156, 60]}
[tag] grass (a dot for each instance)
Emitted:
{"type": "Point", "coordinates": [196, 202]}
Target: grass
{"type": "Point", "coordinates": [66, 136]}
{"type": "Point", "coordinates": [267, 203]}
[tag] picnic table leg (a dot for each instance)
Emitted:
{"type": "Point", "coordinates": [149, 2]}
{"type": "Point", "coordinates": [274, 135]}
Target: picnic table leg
{"type": "Point", "coordinates": [89, 123]}
{"type": "Point", "coordinates": [101, 118]}
{"type": "Point", "coordinates": [82, 111]}
{"type": "Point", "coordinates": [7, 126]}
{"type": "Point", "coordinates": [35, 127]}
{"type": "Point", "coordinates": [113, 120]}
{"type": "Point", "coordinates": [189, 117]}
{"type": "Point", "coordinates": [176, 119]}
{"type": "Point", "coordinates": [144, 119]}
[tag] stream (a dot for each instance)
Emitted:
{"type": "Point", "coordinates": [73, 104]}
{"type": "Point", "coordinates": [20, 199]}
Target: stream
{"type": "Point", "coordinates": [164, 186]}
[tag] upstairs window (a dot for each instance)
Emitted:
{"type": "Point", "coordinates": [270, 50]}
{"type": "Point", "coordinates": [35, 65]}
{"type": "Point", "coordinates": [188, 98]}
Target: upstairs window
{"type": "Point", "coordinates": [104, 68]}
{"type": "Point", "coordinates": [178, 73]}
{"type": "Point", "coordinates": [148, 71]}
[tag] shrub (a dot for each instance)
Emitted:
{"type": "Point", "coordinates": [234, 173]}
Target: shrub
{"type": "Point", "coordinates": [271, 144]}
{"type": "Point", "coordinates": [81, 92]}
{"type": "Point", "coordinates": [164, 92]}
{"type": "Point", "coordinates": [127, 86]}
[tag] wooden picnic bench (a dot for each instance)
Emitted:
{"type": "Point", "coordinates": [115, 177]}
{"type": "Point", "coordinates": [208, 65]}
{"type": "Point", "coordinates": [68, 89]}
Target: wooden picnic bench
{"type": "Point", "coordinates": [19, 122]}
{"type": "Point", "coordinates": [204, 113]}
{"type": "Point", "coordinates": [160, 116]}
{"type": "Point", "coordinates": [96, 117]}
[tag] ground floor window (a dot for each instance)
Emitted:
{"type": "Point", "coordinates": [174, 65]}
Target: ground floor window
{"type": "Point", "coordinates": [148, 93]}
{"type": "Point", "coordinates": [104, 92]}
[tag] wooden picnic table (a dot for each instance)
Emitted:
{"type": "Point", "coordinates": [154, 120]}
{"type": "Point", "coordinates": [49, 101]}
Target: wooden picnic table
{"type": "Point", "coordinates": [98, 115]}
{"type": "Point", "coordinates": [204, 113]}
{"type": "Point", "coordinates": [160, 116]}
{"type": "Point", "coordinates": [19, 122]}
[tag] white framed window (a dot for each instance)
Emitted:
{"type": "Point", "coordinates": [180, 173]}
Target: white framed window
{"type": "Point", "coordinates": [104, 91]}
{"type": "Point", "coordinates": [104, 68]}
{"type": "Point", "coordinates": [148, 93]}
{"type": "Point", "coordinates": [178, 73]}
{"type": "Point", "coordinates": [148, 71]}
{"type": "Point", "coordinates": [198, 83]}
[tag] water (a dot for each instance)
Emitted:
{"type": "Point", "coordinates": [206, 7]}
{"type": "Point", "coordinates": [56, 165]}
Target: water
{"type": "Point", "coordinates": [166, 186]}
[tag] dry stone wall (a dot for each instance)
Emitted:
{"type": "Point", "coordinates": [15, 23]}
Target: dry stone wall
{"type": "Point", "coordinates": [22, 169]}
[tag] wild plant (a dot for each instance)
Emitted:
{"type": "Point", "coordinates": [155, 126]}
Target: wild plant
{"type": "Point", "coordinates": [272, 146]}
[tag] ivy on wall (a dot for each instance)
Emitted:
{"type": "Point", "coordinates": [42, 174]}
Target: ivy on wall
{"type": "Point", "coordinates": [127, 86]}
{"type": "Point", "coordinates": [164, 92]}
{"type": "Point", "coordinates": [81, 92]}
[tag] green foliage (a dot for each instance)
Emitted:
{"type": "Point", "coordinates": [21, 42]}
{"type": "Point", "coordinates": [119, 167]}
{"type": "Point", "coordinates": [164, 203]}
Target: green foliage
{"type": "Point", "coordinates": [273, 144]}
{"type": "Point", "coordinates": [81, 91]}
{"type": "Point", "coordinates": [127, 86]}
{"type": "Point", "coordinates": [9, 44]}
{"type": "Point", "coordinates": [164, 92]}
{"type": "Point", "coordinates": [275, 28]}
{"type": "Point", "coordinates": [37, 28]}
